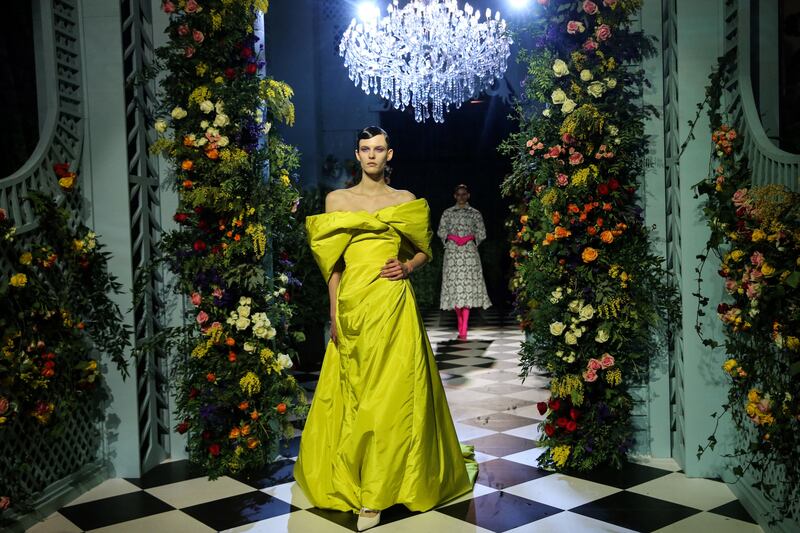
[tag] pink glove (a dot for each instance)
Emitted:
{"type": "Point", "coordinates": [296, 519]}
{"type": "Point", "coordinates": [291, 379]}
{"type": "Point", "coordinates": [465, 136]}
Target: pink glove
{"type": "Point", "coordinates": [461, 241]}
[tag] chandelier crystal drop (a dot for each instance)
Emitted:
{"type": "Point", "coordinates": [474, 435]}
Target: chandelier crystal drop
{"type": "Point", "coordinates": [429, 55]}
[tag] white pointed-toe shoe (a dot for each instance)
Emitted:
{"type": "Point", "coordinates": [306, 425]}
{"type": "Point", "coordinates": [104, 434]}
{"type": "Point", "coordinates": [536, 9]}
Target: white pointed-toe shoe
{"type": "Point", "coordinates": [368, 518]}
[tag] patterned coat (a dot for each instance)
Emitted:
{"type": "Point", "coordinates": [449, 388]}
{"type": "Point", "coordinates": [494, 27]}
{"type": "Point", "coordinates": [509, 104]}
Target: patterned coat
{"type": "Point", "coordinates": [462, 275]}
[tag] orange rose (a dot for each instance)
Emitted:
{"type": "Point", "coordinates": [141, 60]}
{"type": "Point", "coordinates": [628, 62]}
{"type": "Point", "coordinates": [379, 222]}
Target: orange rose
{"type": "Point", "coordinates": [599, 222]}
{"type": "Point", "coordinates": [187, 184]}
{"type": "Point", "coordinates": [606, 206]}
{"type": "Point", "coordinates": [234, 434]}
{"type": "Point", "coordinates": [607, 237]}
{"type": "Point", "coordinates": [245, 430]}
{"type": "Point", "coordinates": [582, 217]}
{"type": "Point", "coordinates": [562, 233]}
{"type": "Point", "coordinates": [523, 219]}
{"type": "Point", "coordinates": [187, 164]}
{"type": "Point", "coordinates": [589, 254]}
{"type": "Point", "coordinates": [244, 406]}
{"type": "Point", "coordinates": [252, 442]}
{"type": "Point", "coordinates": [556, 217]}
{"type": "Point", "coordinates": [230, 341]}
{"type": "Point", "coordinates": [548, 238]}
{"type": "Point", "coordinates": [572, 208]}
{"type": "Point", "coordinates": [255, 415]}
{"type": "Point", "coordinates": [281, 408]}
{"type": "Point", "coordinates": [591, 230]}
{"type": "Point", "coordinates": [237, 237]}
{"type": "Point", "coordinates": [232, 356]}
{"type": "Point", "coordinates": [211, 377]}
{"type": "Point", "coordinates": [188, 141]}
{"type": "Point", "coordinates": [212, 154]}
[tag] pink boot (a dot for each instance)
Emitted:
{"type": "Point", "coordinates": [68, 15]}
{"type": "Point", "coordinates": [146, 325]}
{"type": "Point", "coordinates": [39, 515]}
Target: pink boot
{"type": "Point", "coordinates": [460, 319]}
{"type": "Point", "coordinates": [464, 327]}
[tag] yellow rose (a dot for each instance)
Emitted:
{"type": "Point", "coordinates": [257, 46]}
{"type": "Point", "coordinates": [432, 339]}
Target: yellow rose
{"type": "Point", "coordinates": [18, 280]}
{"type": "Point", "coordinates": [67, 182]}
{"type": "Point", "coordinates": [737, 255]}
{"type": "Point", "coordinates": [793, 343]}
{"type": "Point", "coordinates": [758, 235]}
{"type": "Point", "coordinates": [753, 395]}
{"type": "Point", "coordinates": [78, 245]}
{"type": "Point", "coordinates": [285, 179]}
{"type": "Point", "coordinates": [729, 365]}
{"type": "Point", "coordinates": [767, 270]}
{"type": "Point", "coordinates": [25, 258]}
{"type": "Point", "coordinates": [588, 255]}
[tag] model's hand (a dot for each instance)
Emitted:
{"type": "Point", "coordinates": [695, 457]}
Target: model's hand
{"type": "Point", "coordinates": [394, 270]}
{"type": "Point", "coordinates": [334, 336]}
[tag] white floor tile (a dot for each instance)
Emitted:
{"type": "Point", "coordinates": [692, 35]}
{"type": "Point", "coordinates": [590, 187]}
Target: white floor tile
{"type": "Point", "coordinates": [531, 395]}
{"type": "Point", "coordinates": [106, 489]}
{"type": "Point", "coordinates": [466, 382]}
{"type": "Point", "coordinates": [699, 493]}
{"type": "Point", "coordinates": [528, 411]}
{"type": "Point", "coordinates": [291, 493]}
{"type": "Point", "coordinates": [528, 457]}
{"type": "Point", "coordinates": [467, 432]}
{"type": "Point", "coordinates": [429, 523]}
{"type": "Point", "coordinates": [567, 522]}
{"type": "Point", "coordinates": [561, 491]}
{"type": "Point", "coordinates": [199, 490]}
{"type": "Point", "coordinates": [460, 396]}
{"type": "Point", "coordinates": [664, 463]}
{"type": "Point", "coordinates": [477, 491]}
{"type": "Point", "coordinates": [710, 522]}
{"type": "Point", "coordinates": [172, 521]}
{"type": "Point", "coordinates": [531, 432]}
{"type": "Point", "coordinates": [296, 522]}
{"type": "Point", "coordinates": [465, 412]}
{"type": "Point", "coordinates": [55, 523]}
{"type": "Point", "coordinates": [483, 457]}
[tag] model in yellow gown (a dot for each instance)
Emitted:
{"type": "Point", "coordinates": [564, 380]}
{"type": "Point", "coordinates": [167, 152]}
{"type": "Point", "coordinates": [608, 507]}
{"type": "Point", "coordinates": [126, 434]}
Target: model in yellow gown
{"type": "Point", "coordinates": [379, 431]}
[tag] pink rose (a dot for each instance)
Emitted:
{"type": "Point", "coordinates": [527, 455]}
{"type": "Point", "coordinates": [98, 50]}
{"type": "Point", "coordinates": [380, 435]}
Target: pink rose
{"type": "Point", "coordinates": [189, 52]}
{"type": "Point", "coordinates": [757, 258]}
{"type": "Point", "coordinates": [589, 376]}
{"type": "Point", "coordinates": [594, 365]}
{"type": "Point", "coordinates": [216, 325]}
{"type": "Point", "coordinates": [5, 503]}
{"type": "Point", "coordinates": [183, 30]}
{"type": "Point", "coordinates": [576, 158]}
{"type": "Point", "coordinates": [753, 290]}
{"type": "Point", "coordinates": [730, 286]}
{"type": "Point", "coordinates": [202, 317]}
{"type": "Point", "coordinates": [590, 7]}
{"type": "Point", "coordinates": [610, 3]}
{"type": "Point", "coordinates": [196, 298]}
{"type": "Point", "coordinates": [3, 405]}
{"type": "Point", "coordinates": [720, 180]}
{"type": "Point", "coordinates": [603, 32]}
{"type": "Point", "coordinates": [192, 6]}
{"type": "Point", "coordinates": [590, 45]}
{"type": "Point", "coordinates": [218, 293]}
{"type": "Point", "coordinates": [554, 151]}
{"type": "Point", "coordinates": [568, 138]}
{"type": "Point", "coordinates": [563, 180]}
{"type": "Point", "coordinates": [168, 7]}
{"type": "Point", "coordinates": [574, 26]}
{"type": "Point", "coordinates": [740, 197]}
{"type": "Point", "coordinates": [198, 36]}
{"type": "Point", "coordinates": [607, 360]}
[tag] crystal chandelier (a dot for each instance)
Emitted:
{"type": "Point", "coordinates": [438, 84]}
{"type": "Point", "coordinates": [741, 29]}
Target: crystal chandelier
{"type": "Point", "coordinates": [428, 54]}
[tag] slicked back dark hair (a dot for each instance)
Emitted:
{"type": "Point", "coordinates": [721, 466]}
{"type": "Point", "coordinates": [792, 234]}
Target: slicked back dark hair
{"type": "Point", "coordinates": [371, 131]}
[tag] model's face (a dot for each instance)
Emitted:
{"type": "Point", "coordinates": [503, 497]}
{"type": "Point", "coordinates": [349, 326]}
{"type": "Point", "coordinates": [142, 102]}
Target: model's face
{"type": "Point", "coordinates": [373, 154]}
{"type": "Point", "coordinates": [461, 196]}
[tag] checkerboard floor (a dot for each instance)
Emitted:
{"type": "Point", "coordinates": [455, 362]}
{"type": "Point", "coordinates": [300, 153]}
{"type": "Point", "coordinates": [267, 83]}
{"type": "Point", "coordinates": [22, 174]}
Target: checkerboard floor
{"type": "Point", "coordinates": [491, 409]}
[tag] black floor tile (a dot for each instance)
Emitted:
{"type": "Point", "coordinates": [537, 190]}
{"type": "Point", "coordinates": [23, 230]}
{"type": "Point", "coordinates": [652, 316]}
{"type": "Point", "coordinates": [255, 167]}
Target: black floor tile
{"type": "Point", "coordinates": [445, 366]}
{"type": "Point", "coordinates": [500, 444]}
{"type": "Point", "coordinates": [348, 520]}
{"type": "Point", "coordinates": [630, 475]}
{"type": "Point", "coordinates": [635, 511]}
{"type": "Point", "coordinates": [735, 510]}
{"type": "Point", "coordinates": [276, 473]}
{"type": "Point", "coordinates": [239, 510]}
{"type": "Point", "coordinates": [499, 511]}
{"type": "Point", "coordinates": [501, 474]}
{"type": "Point", "coordinates": [109, 511]}
{"type": "Point", "coordinates": [166, 473]}
{"type": "Point", "coordinates": [499, 421]}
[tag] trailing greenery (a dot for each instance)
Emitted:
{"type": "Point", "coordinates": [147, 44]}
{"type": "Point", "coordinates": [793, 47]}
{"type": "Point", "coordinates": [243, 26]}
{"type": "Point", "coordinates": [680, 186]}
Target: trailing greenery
{"type": "Point", "coordinates": [590, 294]}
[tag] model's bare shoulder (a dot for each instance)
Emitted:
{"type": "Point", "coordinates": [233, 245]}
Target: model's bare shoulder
{"type": "Point", "coordinates": [336, 201]}
{"type": "Point", "coordinates": [403, 195]}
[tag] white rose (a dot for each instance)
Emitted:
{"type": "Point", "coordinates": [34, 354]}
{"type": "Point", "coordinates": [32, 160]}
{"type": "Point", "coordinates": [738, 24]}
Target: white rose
{"type": "Point", "coordinates": [260, 318]}
{"type": "Point", "coordinates": [244, 311]}
{"type": "Point", "coordinates": [206, 106]}
{"type": "Point", "coordinates": [610, 83]}
{"type": "Point", "coordinates": [284, 360]}
{"type": "Point", "coordinates": [284, 279]}
{"type": "Point", "coordinates": [558, 96]}
{"type": "Point", "coordinates": [221, 120]}
{"type": "Point", "coordinates": [570, 358]}
{"type": "Point", "coordinates": [245, 300]}
{"type": "Point", "coordinates": [223, 142]}
{"type": "Point", "coordinates": [242, 323]}
{"type": "Point", "coordinates": [586, 75]}
{"type": "Point", "coordinates": [212, 131]}
{"type": "Point", "coordinates": [560, 353]}
{"type": "Point", "coordinates": [577, 332]}
{"type": "Point", "coordinates": [575, 306]}
{"type": "Point", "coordinates": [249, 347]}
{"type": "Point", "coordinates": [231, 320]}
{"type": "Point", "coordinates": [178, 113]}
{"type": "Point", "coordinates": [613, 130]}
{"type": "Point", "coordinates": [219, 107]}
{"type": "Point", "coordinates": [547, 112]}
{"type": "Point", "coordinates": [568, 106]}
{"type": "Point", "coordinates": [271, 333]}
{"type": "Point", "coordinates": [557, 328]}
{"type": "Point", "coordinates": [587, 312]}
{"type": "Point", "coordinates": [596, 89]}
{"type": "Point", "coordinates": [201, 141]}
{"type": "Point", "coordinates": [267, 127]}
{"type": "Point", "coordinates": [204, 124]}
{"type": "Point", "coordinates": [261, 331]}
{"type": "Point", "coordinates": [281, 291]}
{"type": "Point", "coordinates": [560, 68]}
{"type": "Point", "coordinates": [160, 125]}
{"type": "Point", "coordinates": [602, 336]}
{"type": "Point", "coordinates": [570, 338]}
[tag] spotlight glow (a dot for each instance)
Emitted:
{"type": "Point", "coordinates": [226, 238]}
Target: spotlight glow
{"type": "Point", "coordinates": [368, 11]}
{"type": "Point", "coordinates": [519, 4]}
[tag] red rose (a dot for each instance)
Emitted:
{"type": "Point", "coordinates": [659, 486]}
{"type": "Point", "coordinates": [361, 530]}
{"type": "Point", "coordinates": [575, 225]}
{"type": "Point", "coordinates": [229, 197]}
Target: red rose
{"type": "Point", "coordinates": [246, 53]}
{"type": "Point", "coordinates": [183, 427]}
{"type": "Point", "coordinates": [199, 246]}
{"type": "Point", "coordinates": [188, 51]}
{"type": "Point", "coordinates": [251, 68]}
{"type": "Point", "coordinates": [571, 426]}
{"type": "Point", "coordinates": [3, 214]}
{"type": "Point", "coordinates": [613, 184]}
{"type": "Point", "coordinates": [590, 45]}
{"type": "Point", "coordinates": [168, 7]}
{"type": "Point", "coordinates": [567, 138]}
{"type": "Point", "coordinates": [198, 210]}
{"type": "Point", "coordinates": [602, 189]}
{"type": "Point", "coordinates": [206, 435]}
{"type": "Point", "coordinates": [198, 36]}
{"type": "Point", "coordinates": [193, 393]}
{"type": "Point", "coordinates": [230, 73]}
{"type": "Point", "coordinates": [214, 449]}
{"type": "Point", "coordinates": [211, 377]}
{"type": "Point", "coordinates": [180, 218]}
{"type": "Point", "coordinates": [561, 421]}
{"type": "Point", "coordinates": [549, 430]}
{"type": "Point", "coordinates": [555, 404]}
{"type": "Point", "coordinates": [61, 169]}
{"type": "Point", "coordinates": [541, 407]}
{"type": "Point", "coordinates": [574, 413]}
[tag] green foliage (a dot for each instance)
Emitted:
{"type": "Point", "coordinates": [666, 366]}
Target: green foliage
{"type": "Point", "coordinates": [590, 294]}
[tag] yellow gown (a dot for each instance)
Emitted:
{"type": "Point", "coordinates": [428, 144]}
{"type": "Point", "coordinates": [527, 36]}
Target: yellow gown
{"type": "Point", "coordinates": [379, 431]}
